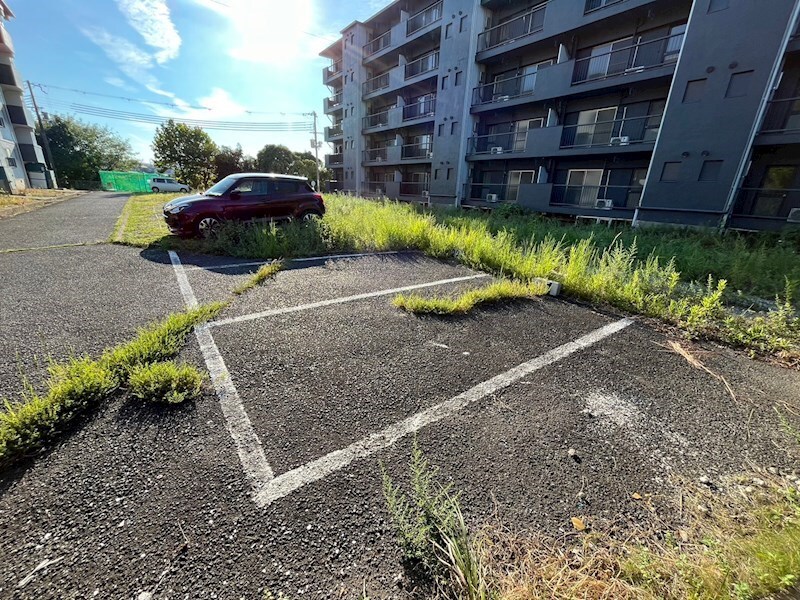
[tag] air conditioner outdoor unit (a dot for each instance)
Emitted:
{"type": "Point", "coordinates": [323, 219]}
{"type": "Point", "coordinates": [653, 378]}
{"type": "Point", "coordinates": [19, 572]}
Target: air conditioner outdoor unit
{"type": "Point", "coordinates": [430, 154]}
{"type": "Point", "coordinates": [378, 159]}
{"type": "Point", "coordinates": [426, 194]}
{"type": "Point", "coordinates": [604, 203]}
{"type": "Point", "coordinates": [492, 198]}
{"type": "Point", "coordinates": [503, 98]}
{"type": "Point", "coordinates": [496, 150]}
{"type": "Point", "coordinates": [622, 140]}
{"type": "Point", "coordinates": [378, 192]}
{"type": "Point", "coordinates": [794, 216]}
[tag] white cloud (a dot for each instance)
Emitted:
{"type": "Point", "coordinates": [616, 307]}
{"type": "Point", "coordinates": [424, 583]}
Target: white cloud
{"type": "Point", "coordinates": [118, 82]}
{"type": "Point", "coordinates": [270, 32]}
{"type": "Point", "coordinates": [217, 106]}
{"type": "Point", "coordinates": [151, 19]}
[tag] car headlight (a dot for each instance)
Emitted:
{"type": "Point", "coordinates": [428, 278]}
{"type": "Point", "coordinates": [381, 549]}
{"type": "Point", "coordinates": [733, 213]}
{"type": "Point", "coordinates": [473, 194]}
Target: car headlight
{"type": "Point", "coordinates": [176, 210]}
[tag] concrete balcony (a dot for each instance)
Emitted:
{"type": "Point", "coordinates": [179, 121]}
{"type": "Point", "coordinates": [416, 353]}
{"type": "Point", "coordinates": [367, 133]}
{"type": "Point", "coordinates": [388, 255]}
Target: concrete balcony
{"type": "Point", "coordinates": [334, 160]}
{"type": "Point", "coordinates": [334, 133]}
{"type": "Point", "coordinates": [419, 153]}
{"type": "Point", "coordinates": [384, 155]}
{"type": "Point", "coordinates": [333, 104]}
{"type": "Point", "coordinates": [534, 143]}
{"type": "Point", "coordinates": [6, 43]}
{"type": "Point", "coordinates": [9, 77]}
{"type": "Point", "coordinates": [408, 30]}
{"type": "Point", "coordinates": [556, 19]}
{"type": "Point", "coordinates": [381, 189]}
{"type": "Point", "coordinates": [402, 75]}
{"type": "Point", "coordinates": [547, 83]}
{"type": "Point", "coordinates": [390, 118]}
{"type": "Point", "coordinates": [781, 123]}
{"type": "Point", "coordinates": [332, 74]}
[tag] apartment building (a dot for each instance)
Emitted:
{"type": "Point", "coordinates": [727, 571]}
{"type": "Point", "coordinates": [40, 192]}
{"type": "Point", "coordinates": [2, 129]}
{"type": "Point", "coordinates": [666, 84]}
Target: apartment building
{"type": "Point", "coordinates": [22, 163]}
{"type": "Point", "coordinates": [649, 111]}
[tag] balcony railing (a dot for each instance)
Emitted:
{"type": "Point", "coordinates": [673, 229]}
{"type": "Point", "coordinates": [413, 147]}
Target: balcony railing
{"type": "Point", "coordinates": [424, 64]}
{"type": "Point", "coordinates": [377, 154]}
{"type": "Point", "coordinates": [378, 43]}
{"type": "Point", "coordinates": [414, 188]}
{"type": "Point", "coordinates": [593, 5]}
{"type": "Point", "coordinates": [617, 132]}
{"type": "Point", "coordinates": [335, 159]}
{"type": "Point", "coordinates": [491, 192]}
{"type": "Point", "coordinates": [410, 151]}
{"type": "Point", "coordinates": [527, 24]}
{"type": "Point", "coordinates": [633, 58]}
{"type": "Point", "coordinates": [333, 131]}
{"type": "Point", "coordinates": [597, 196]}
{"type": "Point", "coordinates": [334, 69]}
{"type": "Point", "coordinates": [375, 188]}
{"type": "Point", "coordinates": [424, 18]}
{"type": "Point", "coordinates": [416, 110]}
{"type": "Point", "coordinates": [782, 115]}
{"type": "Point", "coordinates": [378, 119]}
{"type": "Point", "coordinates": [767, 203]}
{"type": "Point", "coordinates": [498, 143]}
{"type": "Point", "coordinates": [504, 89]}
{"type": "Point", "coordinates": [333, 102]}
{"type": "Point", "coordinates": [378, 82]}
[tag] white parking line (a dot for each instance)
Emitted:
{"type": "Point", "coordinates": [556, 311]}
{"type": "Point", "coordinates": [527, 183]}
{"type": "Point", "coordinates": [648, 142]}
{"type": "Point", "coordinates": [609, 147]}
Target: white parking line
{"type": "Point", "coordinates": [315, 470]}
{"type": "Point", "coordinates": [248, 446]}
{"type": "Point", "coordinates": [307, 259]}
{"type": "Point", "coordinates": [320, 304]}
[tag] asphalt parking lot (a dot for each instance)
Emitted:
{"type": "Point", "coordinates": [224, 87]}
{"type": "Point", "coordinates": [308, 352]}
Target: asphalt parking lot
{"type": "Point", "coordinates": [271, 479]}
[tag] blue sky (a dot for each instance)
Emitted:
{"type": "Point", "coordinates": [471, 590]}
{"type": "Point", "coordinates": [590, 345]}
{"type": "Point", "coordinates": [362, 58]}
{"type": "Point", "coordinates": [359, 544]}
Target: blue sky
{"type": "Point", "coordinates": [229, 56]}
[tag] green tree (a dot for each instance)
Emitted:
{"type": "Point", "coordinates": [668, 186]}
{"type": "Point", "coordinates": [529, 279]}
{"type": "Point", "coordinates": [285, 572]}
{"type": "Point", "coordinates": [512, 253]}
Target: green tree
{"type": "Point", "coordinates": [275, 159]}
{"type": "Point", "coordinates": [80, 150]}
{"type": "Point", "coordinates": [188, 150]}
{"type": "Point", "coordinates": [229, 160]}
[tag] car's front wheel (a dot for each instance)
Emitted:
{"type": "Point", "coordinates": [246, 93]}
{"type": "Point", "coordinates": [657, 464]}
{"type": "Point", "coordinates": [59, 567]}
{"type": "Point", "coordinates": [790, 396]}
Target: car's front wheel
{"type": "Point", "coordinates": [309, 216]}
{"type": "Point", "coordinates": [155, 189]}
{"type": "Point", "coordinates": [185, 190]}
{"type": "Point", "coordinates": [208, 226]}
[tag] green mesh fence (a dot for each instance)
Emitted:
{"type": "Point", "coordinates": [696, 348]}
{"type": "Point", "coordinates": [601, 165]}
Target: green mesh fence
{"type": "Point", "coordinates": [127, 181]}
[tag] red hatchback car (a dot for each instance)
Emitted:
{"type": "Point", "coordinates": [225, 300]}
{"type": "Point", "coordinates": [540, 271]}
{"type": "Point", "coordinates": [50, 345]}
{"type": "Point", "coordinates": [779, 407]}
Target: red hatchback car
{"type": "Point", "coordinates": [244, 197]}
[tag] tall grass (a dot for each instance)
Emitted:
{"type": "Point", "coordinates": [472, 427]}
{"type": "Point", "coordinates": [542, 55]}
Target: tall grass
{"type": "Point", "coordinates": [634, 271]}
{"type": "Point", "coordinates": [79, 385]}
{"type": "Point", "coordinates": [500, 291]}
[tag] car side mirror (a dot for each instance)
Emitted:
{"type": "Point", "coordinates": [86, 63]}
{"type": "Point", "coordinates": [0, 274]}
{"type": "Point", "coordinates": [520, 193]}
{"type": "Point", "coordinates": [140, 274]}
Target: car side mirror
{"type": "Point", "coordinates": [235, 194]}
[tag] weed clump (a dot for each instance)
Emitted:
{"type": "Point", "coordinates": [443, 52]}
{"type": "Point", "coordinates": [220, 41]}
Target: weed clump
{"type": "Point", "coordinates": [501, 291]}
{"type": "Point", "coordinates": [264, 272]}
{"type": "Point", "coordinates": [165, 382]}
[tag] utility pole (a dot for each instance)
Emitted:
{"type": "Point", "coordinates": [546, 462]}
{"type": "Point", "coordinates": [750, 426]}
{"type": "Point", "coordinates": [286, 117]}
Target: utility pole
{"type": "Point", "coordinates": [47, 154]}
{"type": "Point", "coordinates": [316, 150]}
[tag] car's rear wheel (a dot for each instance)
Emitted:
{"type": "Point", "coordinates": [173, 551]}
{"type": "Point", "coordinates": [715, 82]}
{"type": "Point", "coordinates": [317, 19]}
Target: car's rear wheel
{"type": "Point", "coordinates": [208, 226]}
{"type": "Point", "coordinates": [309, 216]}
{"type": "Point", "coordinates": [185, 190]}
{"type": "Point", "coordinates": [155, 189]}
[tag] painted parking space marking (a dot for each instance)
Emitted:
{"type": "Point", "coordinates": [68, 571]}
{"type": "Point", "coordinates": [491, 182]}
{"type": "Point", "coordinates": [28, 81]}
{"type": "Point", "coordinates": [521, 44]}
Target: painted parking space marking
{"type": "Point", "coordinates": [294, 260]}
{"type": "Point", "coordinates": [266, 487]}
{"type": "Point", "coordinates": [330, 463]}
{"type": "Point", "coordinates": [248, 446]}
{"type": "Point", "coordinates": [301, 307]}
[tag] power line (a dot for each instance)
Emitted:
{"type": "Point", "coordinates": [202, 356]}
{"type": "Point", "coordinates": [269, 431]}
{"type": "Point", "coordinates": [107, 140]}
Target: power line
{"type": "Point", "coordinates": [45, 86]}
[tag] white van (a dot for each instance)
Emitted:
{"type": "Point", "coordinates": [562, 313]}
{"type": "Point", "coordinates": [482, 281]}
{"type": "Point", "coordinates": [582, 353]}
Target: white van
{"type": "Point", "coordinates": [167, 184]}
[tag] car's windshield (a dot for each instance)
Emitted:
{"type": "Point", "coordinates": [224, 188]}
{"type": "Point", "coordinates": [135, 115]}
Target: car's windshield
{"type": "Point", "coordinates": [220, 187]}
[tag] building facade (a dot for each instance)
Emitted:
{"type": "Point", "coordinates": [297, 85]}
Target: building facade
{"type": "Point", "coordinates": [650, 111]}
{"type": "Point", "coordinates": [22, 163]}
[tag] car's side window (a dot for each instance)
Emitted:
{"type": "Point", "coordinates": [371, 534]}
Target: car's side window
{"type": "Point", "coordinates": [284, 188]}
{"type": "Point", "coordinates": [252, 187]}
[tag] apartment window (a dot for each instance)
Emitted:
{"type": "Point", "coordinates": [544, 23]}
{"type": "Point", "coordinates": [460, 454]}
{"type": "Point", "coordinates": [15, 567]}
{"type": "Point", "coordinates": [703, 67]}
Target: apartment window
{"type": "Point", "coordinates": [462, 24]}
{"type": "Point", "coordinates": [437, 174]}
{"type": "Point", "coordinates": [710, 170]}
{"type": "Point", "coordinates": [449, 174]}
{"type": "Point", "coordinates": [715, 5]}
{"type": "Point", "coordinates": [448, 31]}
{"type": "Point", "coordinates": [453, 127]}
{"type": "Point", "coordinates": [694, 90]}
{"type": "Point", "coordinates": [351, 77]}
{"type": "Point", "coordinates": [739, 84]}
{"type": "Point", "coordinates": [459, 78]}
{"type": "Point", "coordinates": [516, 179]}
{"type": "Point", "coordinates": [671, 171]}
{"type": "Point", "coordinates": [2, 122]}
{"type": "Point", "coordinates": [608, 59]}
{"type": "Point", "coordinates": [444, 81]}
{"type": "Point", "coordinates": [595, 127]}
{"type": "Point", "coordinates": [674, 42]}
{"type": "Point", "coordinates": [12, 162]}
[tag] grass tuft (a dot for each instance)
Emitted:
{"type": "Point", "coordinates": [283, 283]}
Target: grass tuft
{"type": "Point", "coordinates": [265, 272]}
{"type": "Point", "coordinates": [165, 382]}
{"type": "Point", "coordinates": [500, 291]}
{"type": "Point", "coordinates": [433, 534]}
{"type": "Point", "coordinates": [77, 386]}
